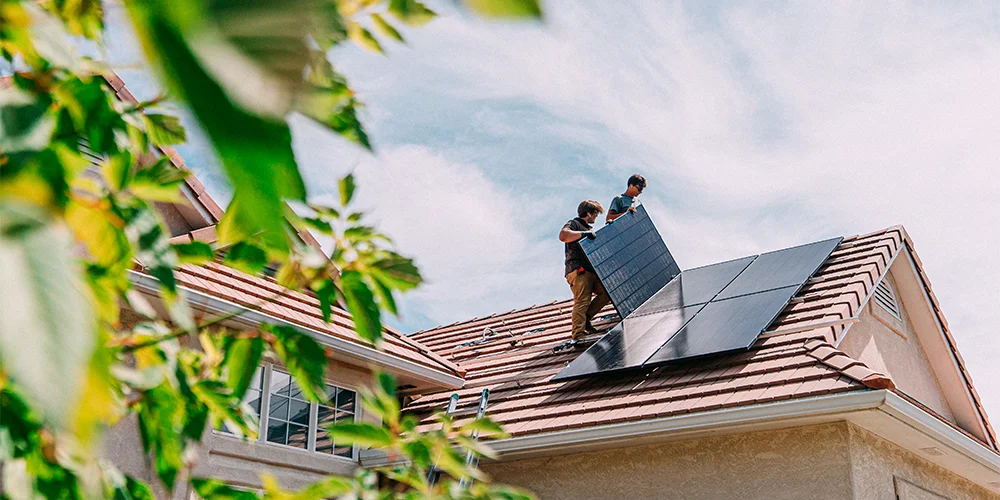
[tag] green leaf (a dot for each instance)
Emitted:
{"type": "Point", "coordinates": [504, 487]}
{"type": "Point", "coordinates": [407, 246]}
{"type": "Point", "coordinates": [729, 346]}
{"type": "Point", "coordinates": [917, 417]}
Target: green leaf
{"type": "Point", "coordinates": [25, 124]}
{"type": "Point", "coordinates": [47, 332]}
{"type": "Point", "coordinates": [223, 406]}
{"type": "Point", "coordinates": [363, 37]}
{"type": "Point", "coordinates": [164, 130]}
{"type": "Point", "coordinates": [398, 273]}
{"type": "Point", "coordinates": [411, 12]}
{"type": "Point", "coordinates": [242, 357]}
{"type": "Point", "coordinates": [161, 418]}
{"type": "Point", "coordinates": [246, 257]}
{"type": "Point", "coordinates": [148, 236]}
{"type": "Point", "coordinates": [255, 149]}
{"type": "Point", "coordinates": [330, 102]}
{"type": "Point", "coordinates": [215, 489]}
{"type": "Point", "coordinates": [383, 27]}
{"type": "Point", "coordinates": [318, 224]}
{"type": "Point", "coordinates": [346, 189]}
{"type": "Point", "coordinates": [361, 304]}
{"type": "Point", "coordinates": [484, 426]}
{"type": "Point", "coordinates": [326, 293]}
{"type": "Point", "coordinates": [303, 357]}
{"type": "Point", "coordinates": [195, 252]}
{"type": "Point", "coordinates": [366, 435]}
{"type": "Point", "coordinates": [506, 9]}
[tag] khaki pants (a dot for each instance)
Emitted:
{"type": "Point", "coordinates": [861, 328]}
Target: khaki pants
{"type": "Point", "coordinates": [584, 286]}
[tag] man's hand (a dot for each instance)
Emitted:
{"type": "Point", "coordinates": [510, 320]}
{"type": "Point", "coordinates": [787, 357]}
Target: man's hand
{"type": "Point", "coordinates": [631, 209]}
{"type": "Point", "coordinates": [588, 234]}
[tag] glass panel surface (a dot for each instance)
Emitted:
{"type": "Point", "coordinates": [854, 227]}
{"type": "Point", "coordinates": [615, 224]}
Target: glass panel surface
{"type": "Point", "coordinates": [781, 268]}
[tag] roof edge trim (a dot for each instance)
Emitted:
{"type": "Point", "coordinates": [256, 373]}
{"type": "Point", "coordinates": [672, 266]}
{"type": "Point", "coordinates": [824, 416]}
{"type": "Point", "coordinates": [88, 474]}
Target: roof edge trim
{"type": "Point", "coordinates": [150, 285]}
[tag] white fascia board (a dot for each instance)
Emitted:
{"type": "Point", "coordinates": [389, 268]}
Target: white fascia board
{"type": "Point", "coordinates": [150, 286]}
{"type": "Point", "coordinates": [912, 416]}
{"type": "Point", "coordinates": [727, 420]}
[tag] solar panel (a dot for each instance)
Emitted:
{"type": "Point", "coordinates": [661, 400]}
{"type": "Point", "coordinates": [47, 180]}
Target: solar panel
{"type": "Point", "coordinates": [630, 343]}
{"type": "Point", "coordinates": [707, 310]}
{"type": "Point", "coordinates": [724, 325]}
{"type": "Point", "coordinates": [694, 286]}
{"type": "Point", "coordinates": [631, 260]}
{"type": "Point", "coordinates": [781, 268]}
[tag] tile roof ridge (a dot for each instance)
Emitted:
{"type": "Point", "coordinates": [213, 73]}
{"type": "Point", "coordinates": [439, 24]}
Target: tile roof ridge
{"type": "Point", "coordinates": [829, 355]}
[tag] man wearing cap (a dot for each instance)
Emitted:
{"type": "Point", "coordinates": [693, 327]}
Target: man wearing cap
{"type": "Point", "coordinates": [589, 294]}
{"type": "Point", "coordinates": [626, 202]}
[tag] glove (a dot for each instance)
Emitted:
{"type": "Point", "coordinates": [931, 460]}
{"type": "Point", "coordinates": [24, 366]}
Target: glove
{"type": "Point", "coordinates": [590, 235]}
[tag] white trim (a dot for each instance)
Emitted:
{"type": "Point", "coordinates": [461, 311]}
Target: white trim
{"type": "Point", "coordinates": [951, 348]}
{"type": "Point", "coordinates": [252, 318]}
{"type": "Point", "coordinates": [910, 414]}
{"type": "Point", "coordinates": [728, 417]}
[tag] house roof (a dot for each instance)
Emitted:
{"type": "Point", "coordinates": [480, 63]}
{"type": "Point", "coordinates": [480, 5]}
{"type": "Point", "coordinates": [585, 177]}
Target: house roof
{"type": "Point", "coordinates": [795, 358]}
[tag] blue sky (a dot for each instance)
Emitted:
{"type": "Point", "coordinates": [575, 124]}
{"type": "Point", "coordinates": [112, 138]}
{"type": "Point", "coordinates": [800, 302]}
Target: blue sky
{"type": "Point", "coordinates": [758, 125]}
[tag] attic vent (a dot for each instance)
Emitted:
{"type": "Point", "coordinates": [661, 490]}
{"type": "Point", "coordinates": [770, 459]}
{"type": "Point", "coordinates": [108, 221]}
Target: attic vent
{"type": "Point", "coordinates": [886, 298]}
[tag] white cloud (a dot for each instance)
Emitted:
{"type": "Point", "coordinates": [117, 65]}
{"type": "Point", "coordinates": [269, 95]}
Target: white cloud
{"type": "Point", "coordinates": [467, 235]}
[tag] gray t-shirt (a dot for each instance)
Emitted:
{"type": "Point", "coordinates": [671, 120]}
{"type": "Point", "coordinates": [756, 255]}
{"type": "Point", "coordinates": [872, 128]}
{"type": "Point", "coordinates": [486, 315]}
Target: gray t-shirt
{"type": "Point", "coordinates": [622, 202]}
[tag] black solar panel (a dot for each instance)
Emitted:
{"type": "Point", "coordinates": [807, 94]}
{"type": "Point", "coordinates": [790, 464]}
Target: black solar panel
{"type": "Point", "coordinates": [724, 325]}
{"type": "Point", "coordinates": [631, 260]}
{"type": "Point", "coordinates": [694, 286]}
{"type": "Point", "coordinates": [791, 266]}
{"type": "Point", "coordinates": [629, 344]}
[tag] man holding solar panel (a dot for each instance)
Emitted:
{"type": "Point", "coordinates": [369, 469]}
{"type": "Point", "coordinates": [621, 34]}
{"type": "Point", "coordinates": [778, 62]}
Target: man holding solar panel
{"type": "Point", "coordinates": [589, 294]}
{"type": "Point", "coordinates": [627, 201]}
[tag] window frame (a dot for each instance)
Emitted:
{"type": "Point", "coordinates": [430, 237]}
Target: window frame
{"type": "Point", "coordinates": [312, 427]}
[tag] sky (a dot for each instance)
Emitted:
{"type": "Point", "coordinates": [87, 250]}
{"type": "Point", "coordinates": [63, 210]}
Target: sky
{"type": "Point", "coordinates": [757, 125]}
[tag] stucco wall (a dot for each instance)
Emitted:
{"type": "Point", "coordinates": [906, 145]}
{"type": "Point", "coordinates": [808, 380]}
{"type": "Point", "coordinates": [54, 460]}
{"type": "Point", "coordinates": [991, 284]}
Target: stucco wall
{"type": "Point", "coordinates": [892, 347]}
{"type": "Point", "coordinates": [806, 462]}
{"type": "Point", "coordinates": [881, 470]}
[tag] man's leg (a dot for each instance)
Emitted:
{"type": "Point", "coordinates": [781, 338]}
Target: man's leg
{"type": "Point", "coordinates": [599, 300]}
{"type": "Point", "coordinates": [581, 301]}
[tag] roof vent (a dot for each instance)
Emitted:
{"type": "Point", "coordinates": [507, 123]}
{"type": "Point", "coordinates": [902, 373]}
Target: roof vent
{"type": "Point", "coordinates": [886, 298]}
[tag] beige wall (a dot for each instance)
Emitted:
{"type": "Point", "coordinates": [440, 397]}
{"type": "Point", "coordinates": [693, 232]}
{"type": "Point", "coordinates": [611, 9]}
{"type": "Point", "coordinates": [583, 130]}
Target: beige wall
{"type": "Point", "coordinates": [891, 346]}
{"type": "Point", "coordinates": [881, 470]}
{"type": "Point", "coordinates": [808, 462]}
{"type": "Point", "coordinates": [828, 461]}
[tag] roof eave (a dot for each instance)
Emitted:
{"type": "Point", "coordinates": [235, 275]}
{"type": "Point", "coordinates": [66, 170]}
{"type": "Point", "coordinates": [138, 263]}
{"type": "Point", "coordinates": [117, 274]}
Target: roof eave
{"type": "Point", "coordinates": [355, 351]}
{"type": "Point", "coordinates": [881, 412]}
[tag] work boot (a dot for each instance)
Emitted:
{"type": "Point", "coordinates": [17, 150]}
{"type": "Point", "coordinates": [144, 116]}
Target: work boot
{"type": "Point", "coordinates": [589, 328]}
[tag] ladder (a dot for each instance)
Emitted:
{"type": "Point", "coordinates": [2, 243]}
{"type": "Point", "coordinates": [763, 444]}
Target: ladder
{"type": "Point", "coordinates": [470, 458]}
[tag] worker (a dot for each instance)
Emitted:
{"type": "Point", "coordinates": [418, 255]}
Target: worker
{"type": "Point", "coordinates": [626, 202]}
{"type": "Point", "coordinates": [589, 294]}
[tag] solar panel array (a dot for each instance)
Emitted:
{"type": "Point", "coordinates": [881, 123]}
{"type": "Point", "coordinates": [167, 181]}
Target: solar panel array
{"type": "Point", "coordinates": [631, 260]}
{"type": "Point", "coordinates": [702, 311]}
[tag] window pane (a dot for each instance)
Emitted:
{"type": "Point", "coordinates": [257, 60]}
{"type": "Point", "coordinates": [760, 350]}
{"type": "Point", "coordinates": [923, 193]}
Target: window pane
{"type": "Point", "coordinates": [253, 398]}
{"type": "Point", "coordinates": [344, 416]}
{"type": "Point", "coordinates": [279, 382]}
{"type": "Point", "coordinates": [279, 407]}
{"type": "Point", "coordinates": [297, 435]}
{"type": "Point", "coordinates": [276, 430]}
{"type": "Point", "coordinates": [343, 451]}
{"type": "Point", "coordinates": [294, 390]}
{"type": "Point", "coordinates": [298, 412]}
{"type": "Point", "coordinates": [324, 416]}
{"type": "Point", "coordinates": [323, 442]}
{"type": "Point", "coordinates": [331, 394]}
{"type": "Point", "coordinates": [345, 400]}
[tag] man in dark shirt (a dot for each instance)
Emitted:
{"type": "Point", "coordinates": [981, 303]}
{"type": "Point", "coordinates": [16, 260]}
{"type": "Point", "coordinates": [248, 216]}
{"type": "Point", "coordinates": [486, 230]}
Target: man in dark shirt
{"type": "Point", "coordinates": [626, 202]}
{"type": "Point", "coordinates": [588, 292]}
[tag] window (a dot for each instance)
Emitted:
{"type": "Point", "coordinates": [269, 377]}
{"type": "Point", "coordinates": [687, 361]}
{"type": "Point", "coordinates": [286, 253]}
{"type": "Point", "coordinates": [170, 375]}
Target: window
{"type": "Point", "coordinates": [288, 412]}
{"type": "Point", "coordinates": [291, 420]}
{"type": "Point", "coordinates": [886, 298]}
{"type": "Point", "coordinates": [340, 408]}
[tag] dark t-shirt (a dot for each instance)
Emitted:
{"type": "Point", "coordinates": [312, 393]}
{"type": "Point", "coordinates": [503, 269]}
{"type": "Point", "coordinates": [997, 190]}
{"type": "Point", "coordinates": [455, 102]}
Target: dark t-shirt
{"type": "Point", "coordinates": [575, 258]}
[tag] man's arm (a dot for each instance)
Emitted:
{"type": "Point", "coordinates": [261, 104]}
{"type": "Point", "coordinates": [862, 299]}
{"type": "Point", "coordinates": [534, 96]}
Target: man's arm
{"type": "Point", "coordinates": [612, 215]}
{"type": "Point", "coordinates": [568, 235]}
